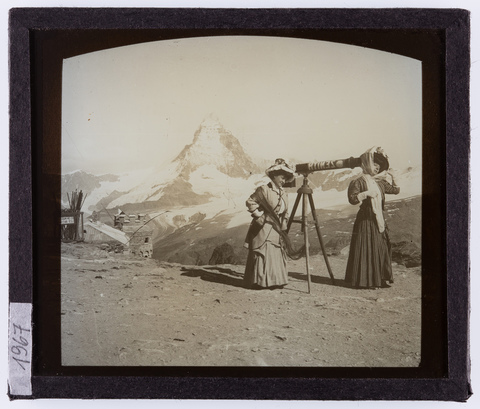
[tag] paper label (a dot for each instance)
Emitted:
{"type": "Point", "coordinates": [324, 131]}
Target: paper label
{"type": "Point", "coordinates": [20, 349]}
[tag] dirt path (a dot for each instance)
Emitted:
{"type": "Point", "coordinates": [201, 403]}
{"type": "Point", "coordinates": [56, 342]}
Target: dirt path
{"type": "Point", "coordinates": [120, 311]}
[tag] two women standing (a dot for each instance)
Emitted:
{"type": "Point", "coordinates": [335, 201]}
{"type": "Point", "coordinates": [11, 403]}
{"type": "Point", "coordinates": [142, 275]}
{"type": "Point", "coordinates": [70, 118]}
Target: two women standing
{"type": "Point", "coordinates": [370, 258]}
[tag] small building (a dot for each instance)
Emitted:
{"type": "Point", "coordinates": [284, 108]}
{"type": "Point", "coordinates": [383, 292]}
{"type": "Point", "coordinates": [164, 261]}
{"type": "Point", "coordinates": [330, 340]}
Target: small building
{"type": "Point", "coordinates": [121, 219]}
{"type": "Point", "coordinates": [140, 236]}
{"type": "Point", "coordinates": [97, 232]}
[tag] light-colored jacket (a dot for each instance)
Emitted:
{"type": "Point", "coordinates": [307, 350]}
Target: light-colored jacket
{"type": "Point", "coordinates": [261, 229]}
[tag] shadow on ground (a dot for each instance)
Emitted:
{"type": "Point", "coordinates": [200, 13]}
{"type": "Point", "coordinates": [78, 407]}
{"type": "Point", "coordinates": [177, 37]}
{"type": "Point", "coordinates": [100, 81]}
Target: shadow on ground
{"type": "Point", "coordinates": [226, 276]}
{"type": "Point", "coordinates": [218, 275]}
{"type": "Point", "coordinates": [320, 280]}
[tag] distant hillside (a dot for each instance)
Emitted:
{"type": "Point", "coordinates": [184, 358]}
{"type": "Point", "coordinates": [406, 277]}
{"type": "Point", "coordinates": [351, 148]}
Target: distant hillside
{"type": "Point", "coordinates": [194, 243]}
{"type": "Point", "coordinates": [84, 181]}
{"type": "Point", "coordinates": [100, 190]}
{"type": "Point", "coordinates": [404, 220]}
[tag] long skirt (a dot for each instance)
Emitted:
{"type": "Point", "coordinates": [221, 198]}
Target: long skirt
{"type": "Point", "coordinates": [370, 257]}
{"type": "Point", "coordinates": [266, 266]}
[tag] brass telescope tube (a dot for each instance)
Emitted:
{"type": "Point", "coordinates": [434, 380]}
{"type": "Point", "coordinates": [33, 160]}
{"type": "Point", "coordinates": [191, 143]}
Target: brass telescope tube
{"type": "Point", "coordinates": [305, 168]}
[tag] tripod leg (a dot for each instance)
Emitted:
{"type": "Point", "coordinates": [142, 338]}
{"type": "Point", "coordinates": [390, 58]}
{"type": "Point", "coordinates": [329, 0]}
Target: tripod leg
{"type": "Point", "coordinates": [305, 236]}
{"type": "Point", "coordinates": [292, 215]}
{"type": "Point", "coordinates": [320, 239]}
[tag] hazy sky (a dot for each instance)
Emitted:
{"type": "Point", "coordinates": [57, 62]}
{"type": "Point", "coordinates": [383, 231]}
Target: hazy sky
{"type": "Point", "coordinates": [138, 106]}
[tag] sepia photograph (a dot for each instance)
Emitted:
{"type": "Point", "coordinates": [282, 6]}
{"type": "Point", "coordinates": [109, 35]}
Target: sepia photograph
{"type": "Point", "coordinates": [249, 204]}
{"type": "Point", "coordinates": [241, 201]}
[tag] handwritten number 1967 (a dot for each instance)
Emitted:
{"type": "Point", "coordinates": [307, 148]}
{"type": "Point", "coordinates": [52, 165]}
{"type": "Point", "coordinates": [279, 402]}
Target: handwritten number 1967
{"type": "Point", "coordinates": [19, 349]}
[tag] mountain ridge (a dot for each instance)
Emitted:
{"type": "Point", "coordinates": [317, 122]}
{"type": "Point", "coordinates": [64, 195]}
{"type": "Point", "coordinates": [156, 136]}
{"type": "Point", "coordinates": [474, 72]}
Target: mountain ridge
{"type": "Point", "coordinates": [211, 175]}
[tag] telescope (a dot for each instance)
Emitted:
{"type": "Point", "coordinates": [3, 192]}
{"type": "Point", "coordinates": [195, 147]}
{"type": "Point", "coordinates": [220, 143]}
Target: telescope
{"type": "Point", "coordinates": [307, 168]}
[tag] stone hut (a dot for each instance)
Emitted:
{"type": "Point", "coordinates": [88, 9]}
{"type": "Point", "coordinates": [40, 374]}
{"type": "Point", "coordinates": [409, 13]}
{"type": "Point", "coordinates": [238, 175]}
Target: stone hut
{"type": "Point", "coordinates": [140, 235]}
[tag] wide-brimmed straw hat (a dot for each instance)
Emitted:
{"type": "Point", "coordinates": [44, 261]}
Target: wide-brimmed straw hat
{"type": "Point", "coordinates": [281, 166]}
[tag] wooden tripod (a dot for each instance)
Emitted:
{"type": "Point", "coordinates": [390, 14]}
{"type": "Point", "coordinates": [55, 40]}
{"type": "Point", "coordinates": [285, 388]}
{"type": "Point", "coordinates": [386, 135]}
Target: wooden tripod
{"type": "Point", "coordinates": [305, 193]}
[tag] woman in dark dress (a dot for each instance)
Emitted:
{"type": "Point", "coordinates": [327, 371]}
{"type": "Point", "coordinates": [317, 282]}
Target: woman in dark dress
{"type": "Point", "coordinates": [370, 257]}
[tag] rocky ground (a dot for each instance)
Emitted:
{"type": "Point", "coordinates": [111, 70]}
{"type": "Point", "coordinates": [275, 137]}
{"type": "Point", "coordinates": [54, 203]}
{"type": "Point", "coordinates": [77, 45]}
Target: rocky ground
{"type": "Point", "coordinates": [118, 310]}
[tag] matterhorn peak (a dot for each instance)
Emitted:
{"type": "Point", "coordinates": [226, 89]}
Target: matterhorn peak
{"type": "Point", "coordinates": [211, 120]}
{"type": "Point", "coordinates": [213, 145]}
{"type": "Point", "coordinates": [208, 132]}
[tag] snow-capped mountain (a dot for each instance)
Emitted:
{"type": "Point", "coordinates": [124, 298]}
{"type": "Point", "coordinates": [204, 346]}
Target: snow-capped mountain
{"type": "Point", "coordinates": [215, 147]}
{"type": "Point", "coordinates": [87, 181]}
{"type": "Point", "coordinates": [197, 201]}
{"type": "Point", "coordinates": [213, 166]}
{"type": "Point", "coordinates": [99, 191]}
{"type": "Point", "coordinates": [211, 176]}
{"type": "Point", "coordinates": [330, 187]}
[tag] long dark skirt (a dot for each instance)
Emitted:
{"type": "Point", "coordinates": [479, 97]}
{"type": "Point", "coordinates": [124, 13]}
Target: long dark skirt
{"type": "Point", "coordinates": [370, 257]}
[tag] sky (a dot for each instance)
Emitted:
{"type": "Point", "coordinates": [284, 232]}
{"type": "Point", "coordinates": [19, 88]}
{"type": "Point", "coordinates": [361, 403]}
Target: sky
{"type": "Point", "coordinates": [137, 106]}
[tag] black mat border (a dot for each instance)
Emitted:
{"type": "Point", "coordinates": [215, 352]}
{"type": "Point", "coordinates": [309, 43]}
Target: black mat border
{"type": "Point", "coordinates": [24, 149]}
